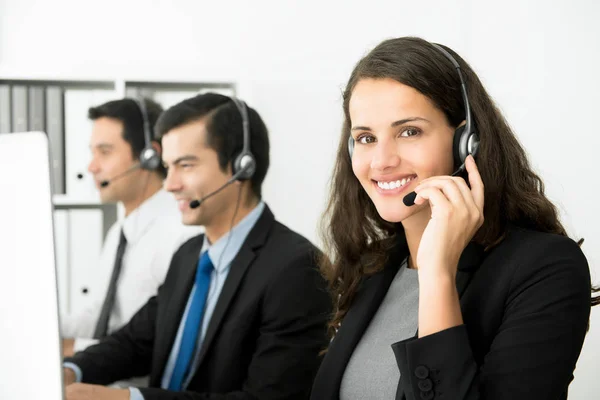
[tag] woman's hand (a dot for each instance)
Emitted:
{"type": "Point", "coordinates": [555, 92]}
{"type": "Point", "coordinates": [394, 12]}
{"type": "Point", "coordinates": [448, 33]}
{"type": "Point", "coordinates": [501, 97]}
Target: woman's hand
{"type": "Point", "coordinates": [456, 215]}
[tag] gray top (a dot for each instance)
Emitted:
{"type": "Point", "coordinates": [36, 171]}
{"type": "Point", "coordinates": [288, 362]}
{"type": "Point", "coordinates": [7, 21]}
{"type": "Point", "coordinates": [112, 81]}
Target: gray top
{"type": "Point", "coordinates": [372, 372]}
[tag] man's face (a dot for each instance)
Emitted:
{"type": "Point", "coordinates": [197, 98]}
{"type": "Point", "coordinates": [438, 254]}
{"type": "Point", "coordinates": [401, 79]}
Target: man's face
{"type": "Point", "coordinates": [194, 172]}
{"type": "Point", "coordinates": [111, 156]}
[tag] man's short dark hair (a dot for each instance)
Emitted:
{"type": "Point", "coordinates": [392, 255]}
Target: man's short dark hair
{"type": "Point", "coordinates": [128, 112]}
{"type": "Point", "coordinates": [224, 130]}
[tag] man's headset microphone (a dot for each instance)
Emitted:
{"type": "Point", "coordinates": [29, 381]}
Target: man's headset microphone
{"type": "Point", "coordinates": [466, 140]}
{"type": "Point", "coordinates": [244, 164]}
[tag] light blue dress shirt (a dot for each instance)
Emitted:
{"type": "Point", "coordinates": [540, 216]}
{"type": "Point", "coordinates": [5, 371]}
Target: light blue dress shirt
{"type": "Point", "coordinates": [221, 253]}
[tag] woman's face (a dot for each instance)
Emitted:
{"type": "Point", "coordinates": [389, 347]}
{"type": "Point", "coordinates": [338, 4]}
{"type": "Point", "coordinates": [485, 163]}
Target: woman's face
{"type": "Point", "coordinates": [401, 138]}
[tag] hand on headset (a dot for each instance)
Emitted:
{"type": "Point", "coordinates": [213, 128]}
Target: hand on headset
{"type": "Point", "coordinates": [456, 215]}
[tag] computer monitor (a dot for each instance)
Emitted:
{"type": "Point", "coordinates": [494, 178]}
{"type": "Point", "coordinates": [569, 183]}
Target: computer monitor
{"type": "Point", "coordinates": [30, 346]}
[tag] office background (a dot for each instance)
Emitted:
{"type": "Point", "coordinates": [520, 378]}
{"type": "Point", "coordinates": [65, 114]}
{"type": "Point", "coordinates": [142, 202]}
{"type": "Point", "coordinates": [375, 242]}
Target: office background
{"type": "Point", "coordinates": [290, 60]}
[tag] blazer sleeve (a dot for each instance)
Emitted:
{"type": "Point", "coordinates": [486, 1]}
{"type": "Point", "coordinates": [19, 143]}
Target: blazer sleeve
{"type": "Point", "coordinates": [125, 354]}
{"type": "Point", "coordinates": [296, 307]}
{"type": "Point", "coordinates": [535, 349]}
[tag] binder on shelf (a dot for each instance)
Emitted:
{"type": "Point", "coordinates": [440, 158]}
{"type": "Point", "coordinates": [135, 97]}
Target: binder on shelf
{"type": "Point", "coordinates": [138, 92]}
{"type": "Point", "coordinates": [132, 92]}
{"type": "Point", "coordinates": [5, 109]}
{"type": "Point", "coordinates": [19, 108]}
{"type": "Point", "coordinates": [170, 97]}
{"type": "Point", "coordinates": [37, 109]}
{"type": "Point", "coordinates": [55, 128]}
{"type": "Point", "coordinates": [146, 93]}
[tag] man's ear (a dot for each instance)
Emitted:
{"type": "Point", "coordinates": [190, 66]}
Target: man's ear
{"type": "Point", "coordinates": [156, 146]}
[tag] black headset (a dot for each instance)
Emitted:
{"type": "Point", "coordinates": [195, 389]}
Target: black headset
{"type": "Point", "coordinates": [466, 139]}
{"type": "Point", "coordinates": [149, 157]}
{"type": "Point", "coordinates": [244, 164]}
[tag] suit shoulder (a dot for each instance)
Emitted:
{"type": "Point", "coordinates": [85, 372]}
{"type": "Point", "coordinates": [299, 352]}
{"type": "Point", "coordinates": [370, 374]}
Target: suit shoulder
{"type": "Point", "coordinates": [283, 235]}
{"type": "Point", "coordinates": [533, 252]}
{"type": "Point", "coordinates": [193, 243]}
{"type": "Point", "coordinates": [292, 260]}
{"type": "Point", "coordinates": [540, 244]}
{"type": "Point", "coordinates": [285, 248]}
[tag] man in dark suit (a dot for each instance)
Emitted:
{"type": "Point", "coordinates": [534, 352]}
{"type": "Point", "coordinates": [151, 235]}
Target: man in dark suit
{"type": "Point", "coordinates": [243, 310]}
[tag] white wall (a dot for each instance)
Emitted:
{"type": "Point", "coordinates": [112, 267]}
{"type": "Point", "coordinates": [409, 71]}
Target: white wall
{"type": "Point", "coordinates": [538, 60]}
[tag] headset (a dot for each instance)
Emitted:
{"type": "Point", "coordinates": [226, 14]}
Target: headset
{"type": "Point", "coordinates": [149, 157]}
{"type": "Point", "coordinates": [466, 139]}
{"type": "Point", "coordinates": [244, 164]}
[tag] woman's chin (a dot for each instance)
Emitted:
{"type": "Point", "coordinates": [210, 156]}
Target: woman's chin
{"type": "Point", "coordinates": [395, 213]}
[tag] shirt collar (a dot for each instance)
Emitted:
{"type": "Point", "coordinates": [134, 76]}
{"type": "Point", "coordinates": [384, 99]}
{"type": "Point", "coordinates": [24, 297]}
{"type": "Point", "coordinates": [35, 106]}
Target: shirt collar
{"type": "Point", "coordinates": [158, 205]}
{"type": "Point", "coordinates": [222, 253]}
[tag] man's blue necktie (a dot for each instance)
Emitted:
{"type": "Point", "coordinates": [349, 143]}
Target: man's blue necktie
{"type": "Point", "coordinates": [193, 322]}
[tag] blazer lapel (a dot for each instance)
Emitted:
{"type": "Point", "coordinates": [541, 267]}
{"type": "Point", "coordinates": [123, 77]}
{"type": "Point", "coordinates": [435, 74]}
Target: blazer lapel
{"type": "Point", "coordinates": [239, 266]}
{"type": "Point", "coordinates": [366, 302]}
{"type": "Point", "coordinates": [179, 294]}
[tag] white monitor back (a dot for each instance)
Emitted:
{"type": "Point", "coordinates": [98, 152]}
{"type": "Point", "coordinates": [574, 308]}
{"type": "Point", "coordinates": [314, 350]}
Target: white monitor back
{"type": "Point", "coordinates": [30, 349]}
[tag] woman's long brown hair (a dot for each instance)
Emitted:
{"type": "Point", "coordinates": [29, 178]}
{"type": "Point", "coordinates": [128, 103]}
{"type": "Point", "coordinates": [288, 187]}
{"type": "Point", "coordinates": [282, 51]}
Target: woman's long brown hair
{"type": "Point", "coordinates": [357, 240]}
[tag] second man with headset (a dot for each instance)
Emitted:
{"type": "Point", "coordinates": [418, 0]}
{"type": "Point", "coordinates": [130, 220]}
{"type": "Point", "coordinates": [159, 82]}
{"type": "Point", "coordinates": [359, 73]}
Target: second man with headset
{"type": "Point", "coordinates": [243, 310]}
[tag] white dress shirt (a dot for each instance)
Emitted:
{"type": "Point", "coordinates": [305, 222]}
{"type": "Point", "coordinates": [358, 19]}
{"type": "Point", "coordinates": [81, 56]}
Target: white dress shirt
{"type": "Point", "coordinates": [154, 232]}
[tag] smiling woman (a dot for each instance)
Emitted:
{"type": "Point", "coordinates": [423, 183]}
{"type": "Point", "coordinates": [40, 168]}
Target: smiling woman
{"type": "Point", "coordinates": [473, 292]}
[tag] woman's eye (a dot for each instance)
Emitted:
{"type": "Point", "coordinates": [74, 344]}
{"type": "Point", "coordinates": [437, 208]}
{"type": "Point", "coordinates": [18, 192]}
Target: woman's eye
{"type": "Point", "coordinates": [410, 132]}
{"type": "Point", "coordinates": [365, 139]}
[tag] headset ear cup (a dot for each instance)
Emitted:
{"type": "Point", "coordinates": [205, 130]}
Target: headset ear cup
{"type": "Point", "coordinates": [237, 166]}
{"type": "Point", "coordinates": [350, 145]}
{"type": "Point", "coordinates": [474, 145]}
{"type": "Point", "coordinates": [458, 153]}
{"type": "Point", "coordinates": [244, 165]}
{"type": "Point", "coordinates": [244, 160]}
{"type": "Point", "coordinates": [149, 159]}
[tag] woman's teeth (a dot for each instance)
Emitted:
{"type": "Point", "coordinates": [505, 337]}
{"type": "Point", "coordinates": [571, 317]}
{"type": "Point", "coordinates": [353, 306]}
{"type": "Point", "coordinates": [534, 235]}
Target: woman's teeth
{"type": "Point", "coordinates": [394, 184]}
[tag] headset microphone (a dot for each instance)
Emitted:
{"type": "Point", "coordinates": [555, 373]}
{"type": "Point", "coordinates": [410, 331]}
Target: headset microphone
{"type": "Point", "coordinates": [127, 172]}
{"type": "Point", "coordinates": [196, 203]}
{"type": "Point", "coordinates": [409, 199]}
